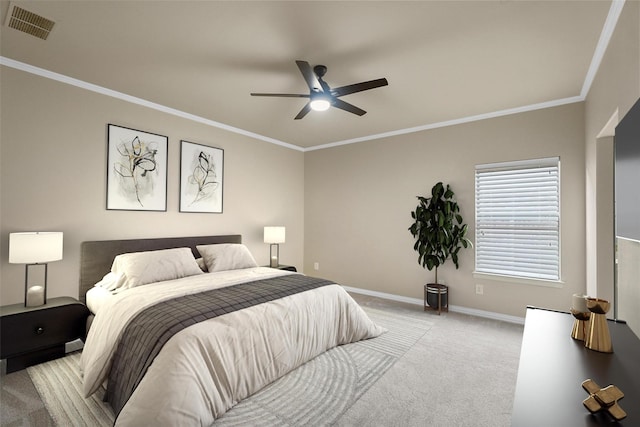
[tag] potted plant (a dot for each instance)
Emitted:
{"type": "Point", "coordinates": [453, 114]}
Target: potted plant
{"type": "Point", "coordinates": [439, 232]}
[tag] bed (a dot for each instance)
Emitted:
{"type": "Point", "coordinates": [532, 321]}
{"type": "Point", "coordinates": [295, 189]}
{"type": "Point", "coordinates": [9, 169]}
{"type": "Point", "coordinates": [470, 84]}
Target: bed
{"type": "Point", "coordinates": [176, 345]}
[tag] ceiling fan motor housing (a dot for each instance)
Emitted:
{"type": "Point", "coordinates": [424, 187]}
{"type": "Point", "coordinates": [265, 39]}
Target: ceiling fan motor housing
{"type": "Point", "coordinates": [320, 70]}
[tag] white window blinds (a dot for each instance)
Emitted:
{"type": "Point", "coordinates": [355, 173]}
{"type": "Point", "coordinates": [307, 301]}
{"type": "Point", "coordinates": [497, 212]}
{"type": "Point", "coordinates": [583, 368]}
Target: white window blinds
{"type": "Point", "coordinates": [518, 219]}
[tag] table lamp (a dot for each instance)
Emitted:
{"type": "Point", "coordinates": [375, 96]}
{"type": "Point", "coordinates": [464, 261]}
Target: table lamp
{"type": "Point", "coordinates": [274, 236]}
{"type": "Point", "coordinates": [34, 248]}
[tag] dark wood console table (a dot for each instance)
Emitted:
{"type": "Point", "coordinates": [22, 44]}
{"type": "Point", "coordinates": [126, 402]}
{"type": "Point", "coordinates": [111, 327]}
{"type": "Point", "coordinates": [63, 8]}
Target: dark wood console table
{"type": "Point", "coordinates": [553, 367]}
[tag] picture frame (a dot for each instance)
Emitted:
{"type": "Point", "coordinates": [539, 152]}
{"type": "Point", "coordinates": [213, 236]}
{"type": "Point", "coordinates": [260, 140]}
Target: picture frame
{"type": "Point", "coordinates": [201, 178]}
{"type": "Point", "coordinates": [136, 169]}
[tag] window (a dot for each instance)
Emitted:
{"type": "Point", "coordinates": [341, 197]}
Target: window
{"type": "Point", "coordinates": [518, 219]}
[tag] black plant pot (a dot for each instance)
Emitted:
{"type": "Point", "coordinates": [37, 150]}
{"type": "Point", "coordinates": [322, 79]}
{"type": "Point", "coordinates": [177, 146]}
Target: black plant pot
{"type": "Point", "coordinates": [433, 289]}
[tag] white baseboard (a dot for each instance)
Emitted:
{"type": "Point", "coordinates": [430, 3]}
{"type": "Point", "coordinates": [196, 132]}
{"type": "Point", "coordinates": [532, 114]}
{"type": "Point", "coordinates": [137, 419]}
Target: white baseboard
{"type": "Point", "coordinates": [453, 308]}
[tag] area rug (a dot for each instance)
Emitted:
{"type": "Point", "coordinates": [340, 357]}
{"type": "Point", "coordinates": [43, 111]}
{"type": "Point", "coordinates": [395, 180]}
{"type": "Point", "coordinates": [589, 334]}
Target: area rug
{"type": "Point", "coordinates": [317, 393]}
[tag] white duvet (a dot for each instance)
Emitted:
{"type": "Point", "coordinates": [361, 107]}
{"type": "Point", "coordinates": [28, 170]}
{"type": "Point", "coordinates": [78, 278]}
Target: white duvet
{"type": "Point", "coordinates": [206, 369]}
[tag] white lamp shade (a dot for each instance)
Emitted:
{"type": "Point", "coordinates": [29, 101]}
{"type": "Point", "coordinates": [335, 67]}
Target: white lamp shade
{"type": "Point", "coordinates": [35, 248]}
{"type": "Point", "coordinates": [274, 234]}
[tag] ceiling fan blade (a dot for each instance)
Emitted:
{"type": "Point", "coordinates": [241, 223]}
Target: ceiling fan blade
{"type": "Point", "coordinates": [359, 87]}
{"type": "Point", "coordinates": [304, 111]}
{"type": "Point", "coordinates": [282, 95]}
{"type": "Point", "coordinates": [309, 76]}
{"type": "Point", "coordinates": [338, 103]}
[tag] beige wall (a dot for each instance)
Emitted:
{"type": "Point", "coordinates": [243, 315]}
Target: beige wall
{"type": "Point", "coordinates": [349, 205]}
{"type": "Point", "coordinates": [53, 173]}
{"type": "Point", "coordinates": [614, 91]}
{"type": "Point", "coordinates": [358, 200]}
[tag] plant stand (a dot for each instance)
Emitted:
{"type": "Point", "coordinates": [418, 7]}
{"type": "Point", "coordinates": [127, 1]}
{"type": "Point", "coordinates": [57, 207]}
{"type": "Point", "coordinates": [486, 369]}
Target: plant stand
{"type": "Point", "coordinates": [433, 291]}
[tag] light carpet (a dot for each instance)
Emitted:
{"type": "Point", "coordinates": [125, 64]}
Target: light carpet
{"type": "Point", "coordinates": [317, 393]}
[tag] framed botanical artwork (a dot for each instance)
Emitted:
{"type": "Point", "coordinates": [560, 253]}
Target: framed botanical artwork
{"type": "Point", "coordinates": [136, 170]}
{"type": "Point", "coordinates": [201, 178]}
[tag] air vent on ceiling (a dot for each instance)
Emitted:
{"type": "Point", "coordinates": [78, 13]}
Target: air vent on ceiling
{"type": "Point", "coordinates": [28, 22]}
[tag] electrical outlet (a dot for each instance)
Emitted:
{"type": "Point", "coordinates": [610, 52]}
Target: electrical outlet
{"type": "Point", "coordinates": [316, 266]}
{"type": "Point", "coordinates": [479, 290]}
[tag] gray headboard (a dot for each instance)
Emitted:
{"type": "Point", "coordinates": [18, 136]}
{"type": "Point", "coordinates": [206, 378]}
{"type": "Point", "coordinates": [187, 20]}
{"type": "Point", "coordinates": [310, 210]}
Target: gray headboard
{"type": "Point", "coordinates": [96, 257]}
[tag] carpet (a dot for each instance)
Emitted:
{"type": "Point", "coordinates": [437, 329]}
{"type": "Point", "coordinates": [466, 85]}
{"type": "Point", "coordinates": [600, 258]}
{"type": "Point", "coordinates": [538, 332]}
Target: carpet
{"type": "Point", "coordinates": [317, 393]}
{"type": "Point", "coordinates": [60, 386]}
{"type": "Point", "coordinates": [461, 373]}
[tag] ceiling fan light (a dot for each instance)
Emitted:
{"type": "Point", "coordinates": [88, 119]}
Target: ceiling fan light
{"type": "Point", "coordinates": [320, 104]}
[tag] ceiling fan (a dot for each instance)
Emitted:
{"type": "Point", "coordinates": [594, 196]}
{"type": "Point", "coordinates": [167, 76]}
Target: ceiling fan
{"type": "Point", "coordinates": [321, 96]}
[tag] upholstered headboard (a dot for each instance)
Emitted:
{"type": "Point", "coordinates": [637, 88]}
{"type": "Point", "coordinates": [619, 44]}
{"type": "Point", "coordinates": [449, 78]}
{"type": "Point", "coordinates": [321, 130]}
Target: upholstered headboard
{"type": "Point", "coordinates": [96, 257]}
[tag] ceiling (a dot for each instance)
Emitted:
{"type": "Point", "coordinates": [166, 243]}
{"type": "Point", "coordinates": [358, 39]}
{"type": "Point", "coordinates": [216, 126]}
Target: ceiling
{"type": "Point", "coordinates": [444, 60]}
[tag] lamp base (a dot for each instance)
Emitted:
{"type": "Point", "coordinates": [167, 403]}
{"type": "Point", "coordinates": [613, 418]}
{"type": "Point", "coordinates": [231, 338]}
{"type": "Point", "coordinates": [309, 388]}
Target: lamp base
{"type": "Point", "coordinates": [36, 295]}
{"type": "Point", "coordinates": [274, 258]}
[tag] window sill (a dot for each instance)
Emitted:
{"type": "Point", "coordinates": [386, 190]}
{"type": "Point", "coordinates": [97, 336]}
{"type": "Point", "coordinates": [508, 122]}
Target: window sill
{"type": "Point", "coordinates": [519, 280]}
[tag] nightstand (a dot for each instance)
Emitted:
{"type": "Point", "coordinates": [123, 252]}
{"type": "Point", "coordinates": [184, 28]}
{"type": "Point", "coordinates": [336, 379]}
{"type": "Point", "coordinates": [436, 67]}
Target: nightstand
{"type": "Point", "coordinates": [284, 267]}
{"type": "Point", "coordinates": [32, 335]}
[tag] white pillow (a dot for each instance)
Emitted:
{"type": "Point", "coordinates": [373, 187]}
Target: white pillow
{"type": "Point", "coordinates": [226, 256]}
{"type": "Point", "coordinates": [141, 268]}
{"type": "Point", "coordinates": [111, 281]}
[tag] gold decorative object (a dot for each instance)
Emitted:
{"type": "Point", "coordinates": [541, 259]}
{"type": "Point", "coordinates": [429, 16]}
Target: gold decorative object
{"type": "Point", "coordinates": [603, 399]}
{"type": "Point", "coordinates": [580, 325]}
{"type": "Point", "coordinates": [598, 337]}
